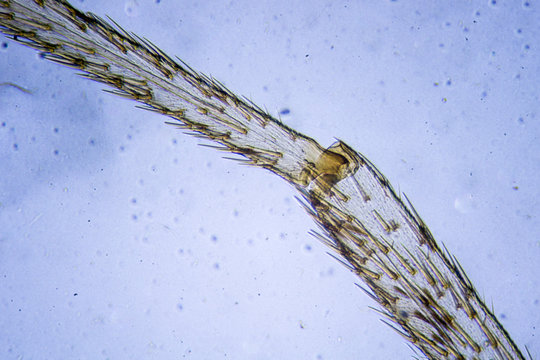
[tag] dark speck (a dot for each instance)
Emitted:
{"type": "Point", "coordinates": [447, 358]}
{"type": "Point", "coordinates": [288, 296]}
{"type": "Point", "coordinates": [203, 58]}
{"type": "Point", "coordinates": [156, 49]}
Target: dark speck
{"type": "Point", "coordinates": [285, 112]}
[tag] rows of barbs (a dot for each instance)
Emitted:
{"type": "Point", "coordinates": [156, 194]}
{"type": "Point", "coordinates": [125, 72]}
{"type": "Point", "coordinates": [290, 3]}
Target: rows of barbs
{"type": "Point", "coordinates": [421, 289]}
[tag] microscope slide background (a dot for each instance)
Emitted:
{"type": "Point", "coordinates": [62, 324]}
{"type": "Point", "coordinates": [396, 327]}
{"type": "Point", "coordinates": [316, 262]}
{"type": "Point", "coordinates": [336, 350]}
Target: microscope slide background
{"type": "Point", "coordinates": [120, 238]}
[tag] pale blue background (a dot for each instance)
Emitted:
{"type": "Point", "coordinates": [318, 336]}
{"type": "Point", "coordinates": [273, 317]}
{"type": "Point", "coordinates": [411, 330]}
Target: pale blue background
{"type": "Point", "coordinates": [122, 239]}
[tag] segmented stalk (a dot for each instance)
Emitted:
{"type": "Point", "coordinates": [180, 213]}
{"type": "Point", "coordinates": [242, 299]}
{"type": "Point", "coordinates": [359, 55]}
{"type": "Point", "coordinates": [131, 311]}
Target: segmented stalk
{"type": "Point", "coordinates": [422, 290]}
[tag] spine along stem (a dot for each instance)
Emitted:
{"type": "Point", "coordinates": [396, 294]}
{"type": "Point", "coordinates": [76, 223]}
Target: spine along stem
{"type": "Point", "coordinates": [421, 288]}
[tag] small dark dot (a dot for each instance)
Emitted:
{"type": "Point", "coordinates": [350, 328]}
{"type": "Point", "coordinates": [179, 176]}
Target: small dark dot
{"type": "Point", "coordinates": [55, 152]}
{"type": "Point", "coordinates": [4, 45]}
{"type": "Point", "coordinates": [285, 112]}
{"type": "Point", "coordinates": [15, 147]}
{"type": "Point", "coordinates": [92, 142]}
{"type": "Point", "coordinates": [55, 130]}
{"type": "Point", "coordinates": [75, 294]}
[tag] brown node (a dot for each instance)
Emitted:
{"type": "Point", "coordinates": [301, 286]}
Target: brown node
{"type": "Point", "coordinates": [333, 165]}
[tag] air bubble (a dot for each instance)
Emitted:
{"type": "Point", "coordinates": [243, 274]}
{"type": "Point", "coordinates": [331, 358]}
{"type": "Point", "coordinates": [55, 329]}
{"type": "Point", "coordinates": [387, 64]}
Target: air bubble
{"type": "Point", "coordinates": [131, 8]}
{"type": "Point", "coordinates": [465, 203]}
